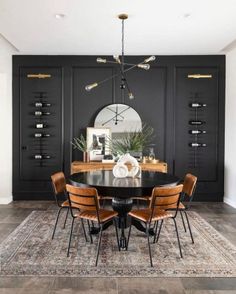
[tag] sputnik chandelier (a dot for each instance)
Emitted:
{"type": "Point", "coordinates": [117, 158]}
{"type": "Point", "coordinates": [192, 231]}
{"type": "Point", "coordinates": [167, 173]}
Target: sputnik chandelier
{"type": "Point", "coordinates": [123, 66]}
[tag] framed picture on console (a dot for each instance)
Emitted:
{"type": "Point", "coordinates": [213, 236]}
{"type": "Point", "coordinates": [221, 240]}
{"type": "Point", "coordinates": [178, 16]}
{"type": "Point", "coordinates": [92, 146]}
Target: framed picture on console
{"type": "Point", "coordinates": [98, 142]}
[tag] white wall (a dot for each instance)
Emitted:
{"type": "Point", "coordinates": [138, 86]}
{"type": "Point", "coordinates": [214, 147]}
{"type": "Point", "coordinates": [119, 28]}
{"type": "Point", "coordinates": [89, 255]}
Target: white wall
{"type": "Point", "coordinates": [230, 129]}
{"type": "Point", "coordinates": [6, 52]}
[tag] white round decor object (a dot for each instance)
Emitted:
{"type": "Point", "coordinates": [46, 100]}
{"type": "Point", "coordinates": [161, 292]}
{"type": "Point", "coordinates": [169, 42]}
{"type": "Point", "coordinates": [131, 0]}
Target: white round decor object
{"type": "Point", "coordinates": [120, 170]}
{"type": "Point", "coordinates": [135, 168]}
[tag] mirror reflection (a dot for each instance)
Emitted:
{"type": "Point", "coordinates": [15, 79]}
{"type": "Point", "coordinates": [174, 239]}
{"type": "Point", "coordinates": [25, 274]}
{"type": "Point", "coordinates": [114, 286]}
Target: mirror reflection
{"type": "Point", "coordinates": [120, 118]}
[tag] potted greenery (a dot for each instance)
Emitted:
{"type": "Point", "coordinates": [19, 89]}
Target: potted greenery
{"type": "Point", "coordinates": [80, 143]}
{"type": "Point", "coordinates": [132, 142]}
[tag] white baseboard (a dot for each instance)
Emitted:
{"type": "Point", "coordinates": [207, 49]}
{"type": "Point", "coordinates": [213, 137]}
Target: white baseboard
{"type": "Point", "coordinates": [5, 200]}
{"type": "Point", "coordinates": [230, 202]}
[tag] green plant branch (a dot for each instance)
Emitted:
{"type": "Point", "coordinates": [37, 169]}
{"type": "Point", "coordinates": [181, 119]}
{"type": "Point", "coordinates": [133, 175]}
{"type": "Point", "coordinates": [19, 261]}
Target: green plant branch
{"type": "Point", "coordinates": [80, 143]}
{"type": "Point", "coordinates": [135, 141]}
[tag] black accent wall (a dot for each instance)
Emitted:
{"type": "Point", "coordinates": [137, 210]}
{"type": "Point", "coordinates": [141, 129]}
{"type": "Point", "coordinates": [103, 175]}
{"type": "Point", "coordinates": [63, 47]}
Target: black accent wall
{"type": "Point", "coordinates": [162, 98]}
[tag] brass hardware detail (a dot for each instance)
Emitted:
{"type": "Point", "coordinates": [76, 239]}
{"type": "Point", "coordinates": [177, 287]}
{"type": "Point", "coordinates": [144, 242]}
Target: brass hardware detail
{"type": "Point", "coordinates": [123, 16]}
{"type": "Point", "coordinates": [199, 76]}
{"type": "Point", "coordinates": [38, 76]}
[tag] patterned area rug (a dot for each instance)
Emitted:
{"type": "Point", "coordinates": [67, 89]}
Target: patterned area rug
{"type": "Point", "coordinates": [29, 250]}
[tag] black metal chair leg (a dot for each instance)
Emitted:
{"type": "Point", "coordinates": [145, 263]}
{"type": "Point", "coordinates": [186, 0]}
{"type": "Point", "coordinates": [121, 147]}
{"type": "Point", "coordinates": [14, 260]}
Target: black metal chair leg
{"type": "Point", "coordinates": [66, 217]}
{"type": "Point", "coordinates": [159, 231]}
{"type": "Point", "coordinates": [91, 238]}
{"type": "Point", "coordinates": [149, 247]}
{"type": "Point", "coordinates": [189, 227]}
{"type": "Point", "coordinates": [72, 225]}
{"type": "Point", "coordinates": [129, 235]}
{"type": "Point", "coordinates": [177, 234]}
{"type": "Point", "coordinates": [99, 243]}
{"type": "Point", "coordinates": [55, 226]}
{"type": "Point", "coordinates": [183, 221]}
{"type": "Point", "coordinates": [117, 237]}
{"type": "Point", "coordinates": [155, 230]}
{"type": "Point", "coordinates": [85, 235]}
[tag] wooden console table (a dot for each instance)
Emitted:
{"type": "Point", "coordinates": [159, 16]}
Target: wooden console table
{"type": "Point", "coordinates": [79, 166]}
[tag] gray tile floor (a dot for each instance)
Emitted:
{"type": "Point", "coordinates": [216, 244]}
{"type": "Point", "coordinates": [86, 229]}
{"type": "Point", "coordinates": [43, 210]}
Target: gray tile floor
{"type": "Point", "coordinates": [219, 215]}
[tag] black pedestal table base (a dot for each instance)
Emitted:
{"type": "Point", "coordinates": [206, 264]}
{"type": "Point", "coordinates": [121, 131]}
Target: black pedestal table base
{"type": "Point", "coordinates": [122, 206]}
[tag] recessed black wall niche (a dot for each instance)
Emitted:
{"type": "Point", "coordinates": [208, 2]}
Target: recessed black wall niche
{"type": "Point", "coordinates": [165, 98]}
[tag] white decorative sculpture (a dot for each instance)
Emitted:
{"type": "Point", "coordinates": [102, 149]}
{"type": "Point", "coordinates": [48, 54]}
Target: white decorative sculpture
{"type": "Point", "coordinates": [120, 170]}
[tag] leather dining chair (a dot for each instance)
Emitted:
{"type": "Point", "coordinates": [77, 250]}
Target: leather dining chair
{"type": "Point", "coordinates": [189, 187]}
{"type": "Point", "coordinates": [161, 199]}
{"type": "Point", "coordinates": [59, 188]}
{"type": "Point", "coordinates": [86, 201]}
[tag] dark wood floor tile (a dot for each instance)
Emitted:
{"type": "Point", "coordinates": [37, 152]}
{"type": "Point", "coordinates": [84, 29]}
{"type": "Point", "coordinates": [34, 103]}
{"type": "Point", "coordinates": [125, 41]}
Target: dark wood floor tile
{"type": "Point", "coordinates": [17, 218]}
{"type": "Point", "coordinates": [150, 286]}
{"type": "Point", "coordinates": [26, 282]}
{"type": "Point", "coordinates": [6, 229]}
{"type": "Point", "coordinates": [10, 291]}
{"type": "Point", "coordinates": [37, 290]}
{"type": "Point", "coordinates": [30, 204]}
{"type": "Point", "coordinates": [79, 291]}
{"type": "Point", "coordinates": [85, 284]}
{"type": "Point", "coordinates": [210, 291]}
{"type": "Point", "coordinates": [209, 283]}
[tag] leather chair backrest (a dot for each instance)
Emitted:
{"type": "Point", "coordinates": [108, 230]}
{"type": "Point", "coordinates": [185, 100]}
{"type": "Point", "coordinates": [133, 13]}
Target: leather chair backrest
{"type": "Point", "coordinates": [189, 184]}
{"type": "Point", "coordinates": [58, 182]}
{"type": "Point", "coordinates": [165, 197]}
{"type": "Point", "coordinates": [83, 198]}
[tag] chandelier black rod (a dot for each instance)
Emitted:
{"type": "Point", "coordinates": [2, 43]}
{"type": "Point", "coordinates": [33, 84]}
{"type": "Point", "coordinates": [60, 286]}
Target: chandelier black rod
{"type": "Point", "coordinates": [123, 83]}
{"type": "Point", "coordinates": [125, 63]}
{"type": "Point", "coordinates": [116, 75]}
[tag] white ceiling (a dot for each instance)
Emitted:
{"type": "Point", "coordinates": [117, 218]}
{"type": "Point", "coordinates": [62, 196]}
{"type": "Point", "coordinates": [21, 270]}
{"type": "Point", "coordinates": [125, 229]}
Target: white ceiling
{"type": "Point", "coordinates": [91, 26]}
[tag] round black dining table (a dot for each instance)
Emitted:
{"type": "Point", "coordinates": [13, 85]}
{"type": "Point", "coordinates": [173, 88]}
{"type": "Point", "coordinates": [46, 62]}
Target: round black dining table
{"type": "Point", "coordinates": [122, 191]}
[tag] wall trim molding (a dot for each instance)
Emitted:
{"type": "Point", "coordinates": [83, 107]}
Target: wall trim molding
{"type": "Point", "coordinates": [230, 201]}
{"type": "Point", "coordinates": [6, 200]}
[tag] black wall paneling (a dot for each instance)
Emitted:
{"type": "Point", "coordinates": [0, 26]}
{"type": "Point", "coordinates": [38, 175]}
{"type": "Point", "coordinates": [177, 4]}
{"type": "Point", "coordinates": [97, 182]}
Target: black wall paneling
{"type": "Point", "coordinates": [196, 125]}
{"type": "Point", "coordinates": [163, 98]}
{"type": "Point", "coordinates": [40, 141]}
{"type": "Point", "coordinates": [87, 104]}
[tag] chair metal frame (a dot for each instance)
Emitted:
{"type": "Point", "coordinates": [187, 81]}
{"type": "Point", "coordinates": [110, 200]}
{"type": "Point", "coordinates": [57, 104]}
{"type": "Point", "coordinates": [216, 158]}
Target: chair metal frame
{"type": "Point", "coordinates": [56, 194]}
{"type": "Point", "coordinates": [153, 206]}
{"type": "Point", "coordinates": [184, 196]}
{"type": "Point", "coordinates": [97, 208]}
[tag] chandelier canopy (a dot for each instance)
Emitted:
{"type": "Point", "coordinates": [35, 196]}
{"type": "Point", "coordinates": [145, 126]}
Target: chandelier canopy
{"type": "Point", "coordinates": [123, 66]}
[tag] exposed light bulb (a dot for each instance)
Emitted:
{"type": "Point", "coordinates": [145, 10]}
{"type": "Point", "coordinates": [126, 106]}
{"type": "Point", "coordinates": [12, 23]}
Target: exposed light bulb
{"type": "Point", "coordinates": [151, 58]}
{"type": "Point", "coordinates": [101, 60]}
{"type": "Point", "coordinates": [144, 66]}
{"type": "Point", "coordinates": [59, 15]}
{"type": "Point", "coordinates": [131, 96]}
{"type": "Point", "coordinates": [117, 58]}
{"type": "Point", "coordinates": [91, 86]}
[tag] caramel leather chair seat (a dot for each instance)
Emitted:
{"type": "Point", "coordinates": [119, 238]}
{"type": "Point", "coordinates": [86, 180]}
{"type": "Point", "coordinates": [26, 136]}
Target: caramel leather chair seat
{"type": "Point", "coordinates": [104, 215]}
{"type": "Point", "coordinates": [146, 214]}
{"type": "Point", "coordinates": [65, 204]}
